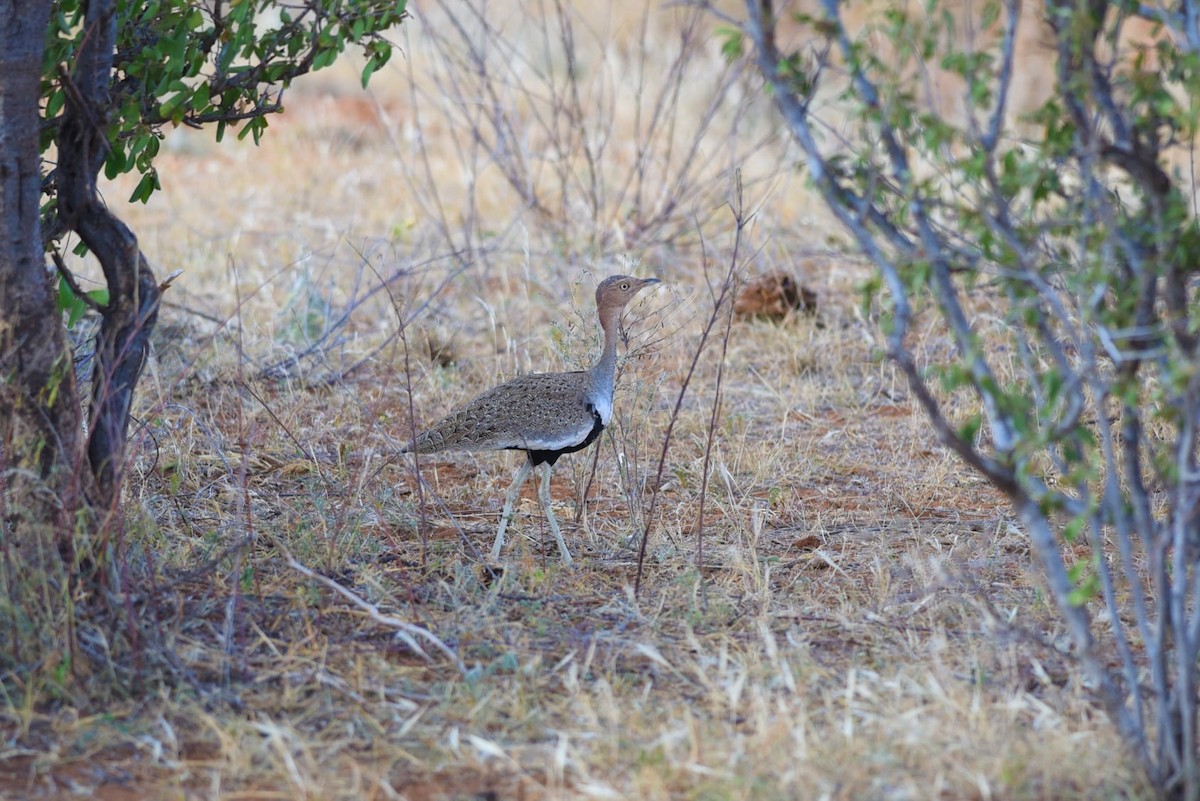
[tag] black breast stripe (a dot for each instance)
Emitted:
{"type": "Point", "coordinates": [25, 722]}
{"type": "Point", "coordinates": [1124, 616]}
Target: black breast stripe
{"type": "Point", "coordinates": [536, 457]}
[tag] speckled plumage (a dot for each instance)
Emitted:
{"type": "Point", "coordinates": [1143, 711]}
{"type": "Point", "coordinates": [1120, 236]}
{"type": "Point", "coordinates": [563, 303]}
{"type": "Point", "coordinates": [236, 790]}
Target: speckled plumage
{"type": "Point", "coordinates": [540, 411]}
{"type": "Point", "coordinates": [543, 414]}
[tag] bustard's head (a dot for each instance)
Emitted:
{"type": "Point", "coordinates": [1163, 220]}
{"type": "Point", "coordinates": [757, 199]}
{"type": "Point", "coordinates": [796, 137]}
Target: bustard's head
{"type": "Point", "coordinates": [615, 291]}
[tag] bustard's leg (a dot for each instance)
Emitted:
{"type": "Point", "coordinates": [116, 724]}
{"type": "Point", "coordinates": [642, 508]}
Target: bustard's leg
{"type": "Point", "coordinates": [544, 495]}
{"type": "Point", "coordinates": [514, 491]}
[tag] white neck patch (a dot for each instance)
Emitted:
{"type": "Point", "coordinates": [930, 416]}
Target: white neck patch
{"type": "Point", "coordinates": [603, 405]}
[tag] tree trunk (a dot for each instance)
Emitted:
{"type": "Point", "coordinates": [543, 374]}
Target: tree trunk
{"type": "Point", "coordinates": [40, 440]}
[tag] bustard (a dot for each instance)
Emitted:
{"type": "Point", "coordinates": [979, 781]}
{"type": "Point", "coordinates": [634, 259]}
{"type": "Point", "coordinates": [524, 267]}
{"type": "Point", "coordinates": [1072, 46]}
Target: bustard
{"type": "Point", "coordinates": [543, 414]}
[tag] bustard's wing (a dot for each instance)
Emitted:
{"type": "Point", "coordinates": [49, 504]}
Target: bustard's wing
{"type": "Point", "coordinates": [542, 411]}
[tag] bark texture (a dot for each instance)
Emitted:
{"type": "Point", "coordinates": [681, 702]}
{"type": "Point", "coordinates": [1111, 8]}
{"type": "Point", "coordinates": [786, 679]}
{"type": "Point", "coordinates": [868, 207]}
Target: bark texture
{"type": "Point", "coordinates": [40, 440]}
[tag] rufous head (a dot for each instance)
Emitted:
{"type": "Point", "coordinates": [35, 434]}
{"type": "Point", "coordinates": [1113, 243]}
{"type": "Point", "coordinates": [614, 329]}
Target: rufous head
{"type": "Point", "coordinates": [615, 291]}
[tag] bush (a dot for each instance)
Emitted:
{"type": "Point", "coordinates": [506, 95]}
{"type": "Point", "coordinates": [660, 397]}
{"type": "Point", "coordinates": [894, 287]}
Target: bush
{"type": "Point", "coordinates": [1070, 226]}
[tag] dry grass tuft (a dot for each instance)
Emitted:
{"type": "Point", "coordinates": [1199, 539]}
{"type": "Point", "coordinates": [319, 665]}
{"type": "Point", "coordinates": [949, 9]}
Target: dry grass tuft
{"type": "Point", "coordinates": [864, 623]}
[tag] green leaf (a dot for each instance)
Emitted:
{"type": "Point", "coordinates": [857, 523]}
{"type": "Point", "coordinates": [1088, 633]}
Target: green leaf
{"type": "Point", "coordinates": [1084, 590]}
{"type": "Point", "coordinates": [1074, 528]}
{"type": "Point", "coordinates": [54, 103]}
{"type": "Point", "coordinates": [970, 429]}
{"type": "Point", "coordinates": [733, 44]}
{"type": "Point", "coordinates": [380, 54]}
{"type": "Point", "coordinates": [146, 187]}
{"type": "Point", "coordinates": [173, 48]}
{"type": "Point", "coordinates": [74, 306]}
{"type": "Point", "coordinates": [114, 164]}
{"type": "Point", "coordinates": [323, 59]}
{"type": "Point", "coordinates": [200, 97]}
{"type": "Point", "coordinates": [66, 298]}
{"type": "Point", "coordinates": [991, 13]}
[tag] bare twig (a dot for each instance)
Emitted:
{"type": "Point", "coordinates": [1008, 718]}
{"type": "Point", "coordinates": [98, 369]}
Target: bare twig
{"type": "Point", "coordinates": [717, 397]}
{"type": "Point", "coordinates": [724, 295]}
{"type": "Point", "coordinates": [408, 633]}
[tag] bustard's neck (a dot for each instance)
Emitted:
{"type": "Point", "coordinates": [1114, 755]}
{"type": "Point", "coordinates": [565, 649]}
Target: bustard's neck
{"type": "Point", "coordinates": [606, 365]}
{"type": "Point", "coordinates": [605, 368]}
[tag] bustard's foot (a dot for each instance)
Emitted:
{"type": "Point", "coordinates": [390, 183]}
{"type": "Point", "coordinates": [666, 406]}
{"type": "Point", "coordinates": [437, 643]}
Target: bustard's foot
{"type": "Point", "coordinates": [496, 559]}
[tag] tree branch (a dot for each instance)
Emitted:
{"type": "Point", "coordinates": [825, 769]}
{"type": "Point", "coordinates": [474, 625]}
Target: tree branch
{"type": "Point", "coordinates": [132, 309]}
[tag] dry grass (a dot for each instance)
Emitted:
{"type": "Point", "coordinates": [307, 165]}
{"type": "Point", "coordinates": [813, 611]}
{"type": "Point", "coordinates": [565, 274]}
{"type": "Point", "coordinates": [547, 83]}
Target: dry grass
{"type": "Point", "coordinates": [865, 625]}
